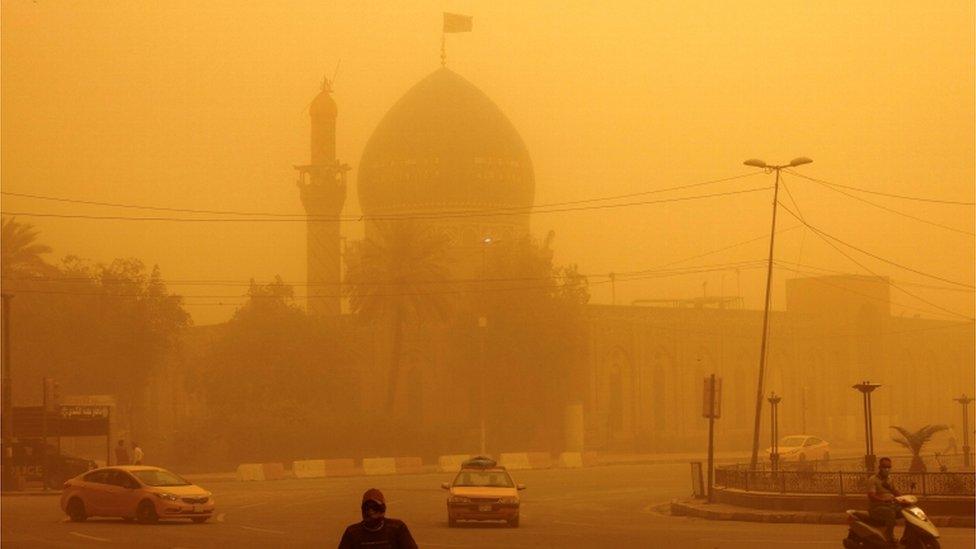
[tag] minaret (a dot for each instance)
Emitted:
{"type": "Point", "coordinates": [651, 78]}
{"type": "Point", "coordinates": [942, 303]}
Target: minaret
{"type": "Point", "coordinates": [323, 190]}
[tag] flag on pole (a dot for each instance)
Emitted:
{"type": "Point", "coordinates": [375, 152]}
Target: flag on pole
{"type": "Point", "coordinates": [454, 22]}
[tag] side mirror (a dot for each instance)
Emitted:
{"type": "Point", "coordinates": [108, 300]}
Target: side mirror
{"type": "Point", "coordinates": [520, 486]}
{"type": "Point", "coordinates": [446, 485]}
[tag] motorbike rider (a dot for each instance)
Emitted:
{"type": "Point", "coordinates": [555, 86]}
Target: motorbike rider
{"type": "Point", "coordinates": [881, 497]}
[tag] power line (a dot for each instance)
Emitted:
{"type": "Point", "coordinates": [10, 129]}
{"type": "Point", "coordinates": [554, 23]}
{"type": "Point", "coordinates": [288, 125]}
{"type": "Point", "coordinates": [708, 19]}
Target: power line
{"type": "Point", "coordinates": [879, 258]}
{"type": "Point", "coordinates": [820, 271]}
{"type": "Point", "coordinates": [659, 274]}
{"type": "Point", "coordinates": [820, 280]}
{"type": "Point", "coordinates": [824, 236]}
{"type": "Point", "coordinates": [891, 195]}
{"type": "Point", "coordinates": [892, 210]}
{"type": "Point", "coordinates": [354, 217]}
{"type": "Point", "coordinates": [383, 217]}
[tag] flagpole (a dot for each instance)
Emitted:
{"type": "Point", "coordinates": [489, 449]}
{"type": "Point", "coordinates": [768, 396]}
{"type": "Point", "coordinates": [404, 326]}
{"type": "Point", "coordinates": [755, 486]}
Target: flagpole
{"type": "Point", "coordinates": [443, 49]}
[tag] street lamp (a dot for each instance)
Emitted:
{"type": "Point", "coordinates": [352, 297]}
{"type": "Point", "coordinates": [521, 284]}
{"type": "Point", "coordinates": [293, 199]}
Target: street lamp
{"type": "Point", "coordinates": [965, 400]}
{"type": "Point", "coordinates": [756, 163]}
{"type": "Point", "coordinates": [482, 327]}
{"type": "Point", "coordinates": [774, 430]}
{"type": "Point", "coordinates": [866, 388]}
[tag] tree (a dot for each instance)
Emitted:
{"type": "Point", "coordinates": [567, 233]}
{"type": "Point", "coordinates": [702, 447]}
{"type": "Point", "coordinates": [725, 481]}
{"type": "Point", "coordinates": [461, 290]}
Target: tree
{"type": "Point", "coordinates": [914, 441]}
{"type": "Point", "coordinates": [397, 277]}
{"type": "Point", "coordinates": [274, 383]}
{"type": "Point", "coordinates": [21, 253]}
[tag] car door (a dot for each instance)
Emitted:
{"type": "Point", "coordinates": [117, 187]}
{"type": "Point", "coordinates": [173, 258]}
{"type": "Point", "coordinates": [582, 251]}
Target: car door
{"type": "Point", "coordinates": [128, 494]}
{"type": "Point", "coordinates": [94, 492]}
{"type": "Point", "coordinates": [118, 493]}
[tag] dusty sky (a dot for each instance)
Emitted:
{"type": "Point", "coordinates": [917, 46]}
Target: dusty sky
{"type": "Point", "coordinates": [201, 105]}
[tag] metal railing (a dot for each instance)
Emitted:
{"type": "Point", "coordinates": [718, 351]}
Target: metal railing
{"type": "Point", "coordinates": [843, 482]}
{"type": "Point", "coordinates": [944, 463]}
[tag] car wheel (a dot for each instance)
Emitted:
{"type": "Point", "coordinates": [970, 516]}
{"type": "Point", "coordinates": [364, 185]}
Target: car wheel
{"type": "Point", "coordinates": [514, 522]}
{"type": "Point", "coordinates": [803, 457]}
{"type": "Point", "coordinates": [76, 510]}
{"type": "Point", "coordinates": [146, 513]}
{"type": "Point", "coordinates": [199, 520]}
{"type": "Point", "coordinates": [826, 456]}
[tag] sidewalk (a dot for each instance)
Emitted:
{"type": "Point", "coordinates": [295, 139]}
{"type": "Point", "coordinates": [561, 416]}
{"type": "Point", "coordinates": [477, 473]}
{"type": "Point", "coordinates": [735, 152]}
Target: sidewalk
{"type": "Point", "coordinates": [721, 511]}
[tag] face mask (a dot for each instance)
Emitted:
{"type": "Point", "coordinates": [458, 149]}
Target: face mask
{"type": "Point", "coordinates": [883, 472]}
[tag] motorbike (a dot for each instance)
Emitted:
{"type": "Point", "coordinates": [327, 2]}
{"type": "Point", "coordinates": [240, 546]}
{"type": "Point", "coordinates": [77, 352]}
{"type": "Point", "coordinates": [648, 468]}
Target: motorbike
{"type": "Point", "coordinates": [920, 533]}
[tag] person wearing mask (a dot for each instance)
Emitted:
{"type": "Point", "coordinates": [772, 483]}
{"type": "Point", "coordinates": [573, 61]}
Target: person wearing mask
{"type": "Point", "coordinates": [881, 497]}
{"type": "Point", "coordinates": [376, 531]}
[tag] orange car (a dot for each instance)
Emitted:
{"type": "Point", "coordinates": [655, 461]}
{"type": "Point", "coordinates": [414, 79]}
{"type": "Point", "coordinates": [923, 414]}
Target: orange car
{"type": "Point", "coordinates": [483, 490]}
{"type": "Point", "coordinates": [139, 492]}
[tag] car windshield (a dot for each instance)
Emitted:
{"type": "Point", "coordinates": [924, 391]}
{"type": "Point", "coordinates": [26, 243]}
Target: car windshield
{"type": "Point", "coordinates": [498, 479]}
{"type": "Point", "coordinates": [792, 441]}
{"type": "Point", "coordinates": [159, 478]}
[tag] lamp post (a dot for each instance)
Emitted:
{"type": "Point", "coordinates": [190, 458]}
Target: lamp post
{"type": "Point", "coordinates": [774, 400]}
{"type": "Point", "coordinates": [866, 388]}
{"type": "Point", "coordinates": [965, 400]}
{"type": "Point", "coordinates": [756, 163]}
{"type": "Point", "coordinates": [482, 327]}
{"type": "Point", "coordinates": [7, 396]}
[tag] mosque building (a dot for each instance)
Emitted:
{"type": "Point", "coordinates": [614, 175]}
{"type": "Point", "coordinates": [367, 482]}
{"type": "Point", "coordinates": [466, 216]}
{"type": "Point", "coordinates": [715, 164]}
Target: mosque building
{"type": "Point", "coordinates": [446, 148]}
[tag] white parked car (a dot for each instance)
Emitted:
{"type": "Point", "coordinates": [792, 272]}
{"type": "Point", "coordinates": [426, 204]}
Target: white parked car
{"type": "Point", "coordinates": [802, 448]}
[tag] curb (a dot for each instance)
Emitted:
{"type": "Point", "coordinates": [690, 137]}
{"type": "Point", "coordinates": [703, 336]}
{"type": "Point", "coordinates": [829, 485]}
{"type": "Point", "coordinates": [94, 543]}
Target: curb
{"type": "Point", "coordinates": [28, 494]}
{"type": "Point", "coordinates": [743, 514]}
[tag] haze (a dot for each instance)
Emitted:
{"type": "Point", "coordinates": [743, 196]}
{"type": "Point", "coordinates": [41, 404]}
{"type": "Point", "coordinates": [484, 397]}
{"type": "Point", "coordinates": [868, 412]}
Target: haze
{"type": "Point", "coordinates": [202, 105]}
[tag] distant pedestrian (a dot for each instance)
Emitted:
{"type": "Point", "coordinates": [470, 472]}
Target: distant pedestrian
{"type": "Point", "coordinates": [121, 454]}
{"type": "Point", "coordinates": [951, 446]}
{"type": "Point", "coordinates": [137, 454]}
{"type": "Point", "coordinates": [376, 530]}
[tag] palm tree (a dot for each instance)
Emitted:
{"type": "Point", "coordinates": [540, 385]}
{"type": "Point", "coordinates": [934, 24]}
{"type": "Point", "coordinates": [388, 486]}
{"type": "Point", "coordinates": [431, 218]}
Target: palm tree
{"type": "Point", "coordinates": [915, 441]}
{"type": "Point", "coordinates": [398, 277]}
{"type": "Point", "coordinates": [20, 254]}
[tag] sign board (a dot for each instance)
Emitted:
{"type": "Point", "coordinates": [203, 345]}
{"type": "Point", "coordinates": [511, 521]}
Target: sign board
{"type": "Point", "coordinates": [84, 412]}
{"type": "Point", "coordinates": [712, 407]}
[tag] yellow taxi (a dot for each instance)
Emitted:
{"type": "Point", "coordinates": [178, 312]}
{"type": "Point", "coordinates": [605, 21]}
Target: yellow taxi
{"type": "Point", "coordinates": [138, 492]}
{"type": "Point", "coordinates": [482, 491]}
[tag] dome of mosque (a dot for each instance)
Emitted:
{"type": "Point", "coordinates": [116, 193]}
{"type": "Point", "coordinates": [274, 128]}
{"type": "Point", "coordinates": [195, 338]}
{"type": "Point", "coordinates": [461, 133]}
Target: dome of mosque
{"type": "Point", "coordinates": [444, 145]}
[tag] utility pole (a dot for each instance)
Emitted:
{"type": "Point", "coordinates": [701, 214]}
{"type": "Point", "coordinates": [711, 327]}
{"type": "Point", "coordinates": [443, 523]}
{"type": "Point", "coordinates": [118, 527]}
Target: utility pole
{"type": "Point", "coordinates": [8, 408]}
{"type": "Point", "coordinates": [965, 400]}
{"type": "Point", "coordinates": [774, 400]}
{"type": "Point", "coordinates": [482, 329]}
{"type": "Point", "coordinates": [799, 161]}
{"type": "Point", "coordinates": [866, 388]}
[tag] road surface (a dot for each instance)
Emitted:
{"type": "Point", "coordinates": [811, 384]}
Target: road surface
{"type": "Point", "coordinates": [612, 507]}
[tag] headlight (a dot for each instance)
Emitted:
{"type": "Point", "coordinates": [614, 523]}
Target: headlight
{"type": "Point", "coordinates": [458, 499]}
{"type": "Point", "coordinates": [508, 501]}
{"type": "Point", "coordinates": [169, 497]}
{"type": "Point", "coordinates": [919, 514]}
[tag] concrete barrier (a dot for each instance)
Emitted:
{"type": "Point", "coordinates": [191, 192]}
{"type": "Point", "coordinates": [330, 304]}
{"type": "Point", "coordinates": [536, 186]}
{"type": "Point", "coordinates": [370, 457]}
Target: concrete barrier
{"type": "Point", "coordinates": [379, 466]}
{"type": "Point", "coordinates": [250, 471]}
{"type": "Point", "coordinates": [310, 468]}
{"type": "Point", "coordinates": [342, 467]}
{"type": "Point", "coordinates": [590, 459]}
{"type": "Point", "coordinates": [274, 471]}
{"type": "Point", "coordinates": [451, 463]}
{"type": "Point", "coordinates": [570, 460]}
{"type": "Point", "coordinates": [516, 460]}
{"type": "Point", "coordinates": [408, 465]}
